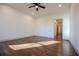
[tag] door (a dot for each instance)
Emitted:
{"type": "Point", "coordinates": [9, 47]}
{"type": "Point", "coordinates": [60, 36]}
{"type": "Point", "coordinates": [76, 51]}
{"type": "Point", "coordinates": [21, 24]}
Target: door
{"type": "Point", "coordinates": [58, 29]}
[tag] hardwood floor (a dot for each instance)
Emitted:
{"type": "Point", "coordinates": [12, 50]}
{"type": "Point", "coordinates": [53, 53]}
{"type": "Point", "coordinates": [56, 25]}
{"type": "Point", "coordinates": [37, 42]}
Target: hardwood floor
{"type": "Point", "coordinates": [36, 46]}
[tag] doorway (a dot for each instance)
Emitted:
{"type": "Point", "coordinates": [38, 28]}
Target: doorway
{"type": "Point", "coordinates": [58, 29]}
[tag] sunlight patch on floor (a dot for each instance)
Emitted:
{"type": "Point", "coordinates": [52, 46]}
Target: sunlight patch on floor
{"type": "Point", "coordinates": [32, 45]}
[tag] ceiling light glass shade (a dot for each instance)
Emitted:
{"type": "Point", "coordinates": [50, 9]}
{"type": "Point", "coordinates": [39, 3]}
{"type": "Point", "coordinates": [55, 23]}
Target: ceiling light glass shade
{"type": "Point", "coordinates": [59, 5]}
{"type": "Point", "coordinates": [36, 6]}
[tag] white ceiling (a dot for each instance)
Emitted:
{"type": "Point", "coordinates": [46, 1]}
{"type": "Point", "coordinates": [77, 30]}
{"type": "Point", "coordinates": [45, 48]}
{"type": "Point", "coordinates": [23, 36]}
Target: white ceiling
{"type": "Point", "coordinates": [51, 8]}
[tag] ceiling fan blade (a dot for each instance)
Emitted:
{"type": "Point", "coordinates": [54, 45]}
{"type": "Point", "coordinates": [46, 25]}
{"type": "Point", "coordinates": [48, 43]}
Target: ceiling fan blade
{"type": "Point", "coordinates": [36, 3]}
{"type": "Point", "coordinates": [42, 6]}
{"type": "Point", "coordinates": [36, 9]}
{"type": "Point", "coordinates": [31, 6]}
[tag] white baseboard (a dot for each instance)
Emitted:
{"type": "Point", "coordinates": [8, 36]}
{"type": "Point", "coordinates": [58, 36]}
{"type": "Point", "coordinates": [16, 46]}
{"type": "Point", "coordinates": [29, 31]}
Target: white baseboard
{"type": "Point", "coordinates": [14, 38]}
{"type": "Point", "coordinates": [44, 36]}
{"type": "Point", "coordinates": [76, 49]}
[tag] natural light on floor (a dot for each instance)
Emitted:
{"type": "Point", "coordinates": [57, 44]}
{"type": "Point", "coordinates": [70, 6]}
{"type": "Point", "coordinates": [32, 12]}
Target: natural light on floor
{"type": "Point", "coordinates": [32, 45]}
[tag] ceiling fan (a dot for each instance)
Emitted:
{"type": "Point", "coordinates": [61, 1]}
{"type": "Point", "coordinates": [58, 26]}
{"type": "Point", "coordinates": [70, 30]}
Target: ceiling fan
{"type": "Point", "coordinates": [37, 5]}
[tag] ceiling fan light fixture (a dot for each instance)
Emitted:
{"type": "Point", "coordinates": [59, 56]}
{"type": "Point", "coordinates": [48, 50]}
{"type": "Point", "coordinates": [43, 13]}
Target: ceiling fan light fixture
{"type": "Point", "coordinates": [36, 6]}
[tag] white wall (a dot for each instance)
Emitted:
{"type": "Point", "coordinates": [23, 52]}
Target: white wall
{"type": "Point", "coordinates": [14, 24]}
{"type": "Point", "coordinates": [66, 25]}
{"type": "Point", "coordinates": [45, 25]}
{"type": "Point", "coordinates": [74, 26]}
